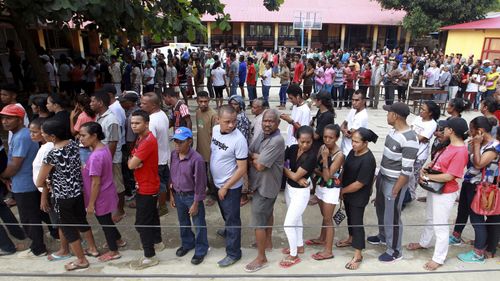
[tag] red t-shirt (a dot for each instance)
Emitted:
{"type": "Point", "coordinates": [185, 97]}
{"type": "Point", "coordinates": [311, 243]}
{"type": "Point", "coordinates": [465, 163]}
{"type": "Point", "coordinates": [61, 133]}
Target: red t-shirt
{"type": "Point", "coordinates": [147, 178]}
{"type": "Point", "coordinates": [367, 77]}
{"type": "Point", "coordinates": [497, 115]}
{"type": "Point", "coordinates": [453, 161]}
{"type": "Point", "coordinates": [350, 77]}
{"type": "Point", "coordinates": [297, 74]}
{"type": "Point", "coordinates": [251, 75]}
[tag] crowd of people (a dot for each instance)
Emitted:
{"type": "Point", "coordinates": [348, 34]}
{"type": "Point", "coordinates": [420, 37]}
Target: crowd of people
{"type": "Point", "coordinates": [114, 146]}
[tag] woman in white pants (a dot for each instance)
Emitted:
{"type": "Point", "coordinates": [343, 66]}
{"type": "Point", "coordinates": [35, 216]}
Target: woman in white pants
{"type": "Point", "coordinates": [300, 161]}
{"type": "Point", "coordinates": [450, 163]}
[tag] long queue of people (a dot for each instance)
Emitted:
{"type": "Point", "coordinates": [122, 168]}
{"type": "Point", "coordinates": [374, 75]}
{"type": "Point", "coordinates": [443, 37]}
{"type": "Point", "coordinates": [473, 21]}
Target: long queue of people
{"type": "Point", "coordinates": [85, 162]}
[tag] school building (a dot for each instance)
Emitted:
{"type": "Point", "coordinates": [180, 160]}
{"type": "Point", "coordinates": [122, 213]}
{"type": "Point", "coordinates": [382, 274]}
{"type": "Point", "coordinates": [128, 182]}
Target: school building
{"type": "Point", "coordinates": [345, 24]}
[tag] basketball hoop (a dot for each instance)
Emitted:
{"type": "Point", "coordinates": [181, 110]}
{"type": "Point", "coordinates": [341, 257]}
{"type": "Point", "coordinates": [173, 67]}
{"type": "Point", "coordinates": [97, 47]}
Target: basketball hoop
{"type": "Point", "coordinates": [307, 20]}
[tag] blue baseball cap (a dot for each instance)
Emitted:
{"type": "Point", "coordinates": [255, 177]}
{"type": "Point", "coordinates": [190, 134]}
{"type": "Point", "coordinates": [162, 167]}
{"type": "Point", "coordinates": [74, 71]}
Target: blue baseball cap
{"type": "Point", "coordinates": [182, 133]}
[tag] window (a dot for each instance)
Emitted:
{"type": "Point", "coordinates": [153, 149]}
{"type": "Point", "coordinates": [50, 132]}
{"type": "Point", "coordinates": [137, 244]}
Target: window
{"type": "Point", "coordinates": [491, 49]}
{"type": "Point", "coordinates": [260, 30]}
{"type": "Point", "coordinates": [286, 31]}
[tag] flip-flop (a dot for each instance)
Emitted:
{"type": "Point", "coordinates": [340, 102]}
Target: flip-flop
{"type": "Point", "coordinates": [343, 244]}
{"type": "Point", "coordinates": [312, 242]}
{"type": "Point", "coordinates": [54, 257]}
{"type": "Point", "coordinates": [355, 262]}
{"type": "Point", "coordinates": [251, 269]}
{"type": "Point", "coordinates": [90, 254]}
{"type": "Point", "coordinates": [319, 257]}
{"type": "Point", "coordinates": [286, 263]}
{"type": "Point", "coordinates": [109, 257]}
{"type": "Point", "coordinates": [75, 266]}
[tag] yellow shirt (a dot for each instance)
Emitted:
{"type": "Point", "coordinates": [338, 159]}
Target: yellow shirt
{"type": "Point", "coordinates": [492, 77]}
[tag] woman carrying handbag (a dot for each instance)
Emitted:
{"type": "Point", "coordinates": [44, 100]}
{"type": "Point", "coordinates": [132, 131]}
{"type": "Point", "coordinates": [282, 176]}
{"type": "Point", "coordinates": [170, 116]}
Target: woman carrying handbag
{"type": "Point", "coordinates": [447, 167]}
{"type": "Point", "coordinates": [483, 159]}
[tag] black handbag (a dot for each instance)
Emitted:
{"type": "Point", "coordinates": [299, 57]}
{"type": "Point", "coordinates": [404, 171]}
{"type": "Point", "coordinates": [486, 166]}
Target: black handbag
{"type": "Point", "coordinates": [339, 215]}
{"type": "Point", "coordinates": [433, 186]}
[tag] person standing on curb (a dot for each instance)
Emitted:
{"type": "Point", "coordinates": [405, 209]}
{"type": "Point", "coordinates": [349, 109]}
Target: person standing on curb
{"type": "Point", "coordinates": [187, 192]}
{"type": "Point", "coordinates": [400, 152]}
{"type": "Point", "coordinates": [228, 164]}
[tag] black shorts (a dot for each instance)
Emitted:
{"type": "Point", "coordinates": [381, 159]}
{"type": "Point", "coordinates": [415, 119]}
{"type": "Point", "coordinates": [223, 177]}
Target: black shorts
{"type": "Point", "coordinates": [218, 91]}
{"type": "Point", "coordinates": [72, 211]}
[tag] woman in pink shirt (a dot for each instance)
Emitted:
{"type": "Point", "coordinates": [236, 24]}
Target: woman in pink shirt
{"type": "Point", "coordinates": [81, 114]}
{"type": "Point", "coordinates": [328, 75]}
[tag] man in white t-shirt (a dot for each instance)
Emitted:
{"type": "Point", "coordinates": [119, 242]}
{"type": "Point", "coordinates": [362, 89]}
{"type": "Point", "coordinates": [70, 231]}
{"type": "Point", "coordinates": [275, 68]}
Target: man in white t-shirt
{"type": "Point", "coordinates": [228, 165]}
{"type": "Point", "coordinates": [356, 118]}
{"type": "Point", "coordinates": [301, 113]}
{"type": "Point", "coordinates": [158, 125]}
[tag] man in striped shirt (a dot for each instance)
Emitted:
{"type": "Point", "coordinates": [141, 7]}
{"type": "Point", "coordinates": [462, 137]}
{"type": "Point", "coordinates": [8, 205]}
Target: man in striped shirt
{"type": "Point", "coordinates": [400, 151]}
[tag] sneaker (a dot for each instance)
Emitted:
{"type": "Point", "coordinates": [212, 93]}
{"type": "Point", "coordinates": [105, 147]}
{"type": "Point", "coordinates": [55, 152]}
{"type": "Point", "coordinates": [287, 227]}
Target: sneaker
{"type": "Point", "coordinates": [454, 241]}
{"type": "Point", "coordinates": [385, 257]}
{"type": "Point", "coordinates": [163, 210]}
{"type": "Point", "coordinates": [374, 240]}
{"type": "Point", "coordinates": [28, 254]}
{"type": "Point", "coordinates": [227, 261]}
{"type": "Point", "coordinates": [471, 257]}
{"type": "Point", "coordinates": [143, 263]}
{"type": "Point", "coordinates": [159, 247]}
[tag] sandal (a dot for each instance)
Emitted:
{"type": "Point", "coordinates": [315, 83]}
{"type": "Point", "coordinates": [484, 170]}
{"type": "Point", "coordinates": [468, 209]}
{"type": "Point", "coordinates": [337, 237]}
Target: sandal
{"type": "Point", "coordinates": [287, 262]}
{"type": "Point", "coordinates": [353, 264]}
{"type": "Point", "coordinates": [343, 244]}
{"type": "Point", "coordinates": [312, 242]}
{"type": "Point", "coordinates": [109, 257]}
{"type": "Point", "coordinates": [75, 266]}
{"type": "Point", "coordinates": [91, 254]}
{"type": "Point", "coordinates": [54, 257]}
{"type": "Point", "coordinates": [120, 245]}
{"type": "Point", "coordinates": [319, 256]}
{"type": "Point", "coordinates": [414, 247]}
{"type": "Point", "coordinates": [255, 267]}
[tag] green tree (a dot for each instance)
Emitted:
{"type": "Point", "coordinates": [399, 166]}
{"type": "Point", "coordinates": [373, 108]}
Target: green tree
{"type": "Point", "coordinates": [424, 16]}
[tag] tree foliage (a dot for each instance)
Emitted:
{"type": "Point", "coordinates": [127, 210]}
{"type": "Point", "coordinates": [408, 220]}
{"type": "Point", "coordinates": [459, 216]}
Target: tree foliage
{"type": "Point", "coordinates": [424, 16]}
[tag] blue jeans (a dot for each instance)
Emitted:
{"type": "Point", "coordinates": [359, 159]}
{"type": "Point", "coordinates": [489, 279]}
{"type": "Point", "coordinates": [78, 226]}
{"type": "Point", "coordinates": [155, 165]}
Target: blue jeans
{"type": "Point", "coordinates": [230, 209]}
{"type": "Point", "coordinates": [265, 92]}
{"type": "Point", "coordinates": [189, 240]}
{"type": "Point", "coordinates": [283, 89]}
{"type": "Point", "coordinates": [338, 95]}
{"type": "Point", "coordinates": [328, 88]}
{"type": "Point", "coordinates": [252, 92]}
{"type": "Point", "coordinates": [234, 87]}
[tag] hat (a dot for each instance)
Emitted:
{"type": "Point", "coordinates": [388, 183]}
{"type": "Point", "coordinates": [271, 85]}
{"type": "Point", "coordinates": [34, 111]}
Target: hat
{"type": "Point", "coordinates": [45, 57]}
{"type": "Point", "coordinates": [399, 108]}
{"type": "Point", "coordinates": [486, 61]}
{"type": "Point", "coordinates": [13, 110]}
{"type": "Point", "coordinates": [129, 96]}
{"type": "Point", "coordinates": [458, 125]}
{"type": "Point", "coordinates": [182, 133]}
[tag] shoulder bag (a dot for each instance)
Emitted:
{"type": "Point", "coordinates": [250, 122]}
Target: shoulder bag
{"type": "Point", "coordinates": [433, 186]}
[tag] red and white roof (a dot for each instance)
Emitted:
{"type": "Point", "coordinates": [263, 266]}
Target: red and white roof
{"type": "Point", "coordinates": [363, 12]}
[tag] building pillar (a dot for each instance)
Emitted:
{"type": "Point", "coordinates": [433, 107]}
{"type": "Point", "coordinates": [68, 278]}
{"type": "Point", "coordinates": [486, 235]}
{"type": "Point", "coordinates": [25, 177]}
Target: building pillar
{"type": "Point", "coordinates": [242, 29]}
{"type": "Point", "coordinates": [342, 36]}
{"type": "Point", "coordinates": [375, 37]}
{"type": "Point", "coordinates": [398, 36]}
{"type": "Point", "coordinates": [407, 39]}
{"type": "Point", "coordinates": [209, 34]}
{"type": "Point", "coordinates": [276, 35]}
{"type": "Point", "coordinates": [309, 38]}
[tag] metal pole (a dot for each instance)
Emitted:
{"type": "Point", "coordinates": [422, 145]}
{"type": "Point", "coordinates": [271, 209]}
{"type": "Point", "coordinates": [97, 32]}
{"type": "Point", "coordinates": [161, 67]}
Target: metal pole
{"type": "Point", "coordinates": [302, 39]}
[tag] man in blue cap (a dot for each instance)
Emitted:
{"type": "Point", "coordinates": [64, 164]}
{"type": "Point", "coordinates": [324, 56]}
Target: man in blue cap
{"type": "Point", "coordinates": [188, 181]}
